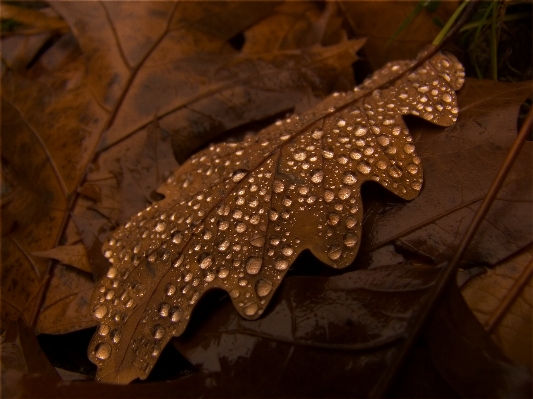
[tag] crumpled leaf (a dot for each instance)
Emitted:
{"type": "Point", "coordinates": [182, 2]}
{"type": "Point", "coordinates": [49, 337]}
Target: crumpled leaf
{"type": "Point", "coordinates": [501, 301]}
{"type": "Point", "coordinates": [461, 162]}
{"type": "Point", "coordinates": [294, 186]}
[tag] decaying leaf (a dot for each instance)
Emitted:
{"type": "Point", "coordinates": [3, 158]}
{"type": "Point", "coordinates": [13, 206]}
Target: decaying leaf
{"type": "Point", "coordinates": [236, 215]}
{"type": "Point", "coordinates": [501, 300]}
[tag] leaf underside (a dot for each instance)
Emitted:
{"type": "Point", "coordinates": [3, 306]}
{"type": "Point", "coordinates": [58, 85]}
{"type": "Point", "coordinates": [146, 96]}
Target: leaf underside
{"type": "Point", "coordinates": [236, 215]}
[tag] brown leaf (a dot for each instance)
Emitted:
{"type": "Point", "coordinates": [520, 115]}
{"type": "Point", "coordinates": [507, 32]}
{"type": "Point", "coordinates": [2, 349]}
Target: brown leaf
{"type": "Point", "coordinates": [461, 162]}
{"type": "Point", "coordinates": [73, 255]}
{"type": "Point", "coordinates": [250, 197]}
{"type": "Point", "coordinates": [354, 323]}
{"type": "Point", "coordinates": [118, 71]}
{"type": "Point", "coordinates": [501, 301]}
{"type": "Point", "coordinates": [467, 357]}
{"type": "Point", "coordinates": [66, 307]}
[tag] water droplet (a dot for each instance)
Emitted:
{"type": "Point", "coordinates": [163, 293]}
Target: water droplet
{"type": "Point", "coordinates": [109, 295]}
{"type": "Point", "coordinates": [164, 309]}
{"type": "Point", "coordinates": [158, 331]}
{"type": "Point", "coordinates": [409, 148]}
{"type": "Point", "coordinates": [175, 315]}
{"type": "Point", "coordinates": [286, 201]}
{"type": "Point", "coordinates": [341, 123]}
{"type": "Point", "coordinates": [383, 141]}
{"type": "Point", "coordinates": [299, 155]}
{"type": "Point", "coordinates": [103, 329]}
{"type": "Point", "coordinates": [333, 219]}
{"type": "Point", "coordinates": [160, 226]}
{"type": "Point", "coordinates": [381, 165]}
{"type": "Point", "coordinates": [176, 238]}
{"type": "Point", "coordinates": [115, 335]}
{"type": "Point", "coordinates": [364, 168]}
{"type": "Point", "coordinates": [360, 131]}
{"type": "Point", "coordinates": [355, 155]}
{"type": "Point", "coordinates": [329, 196]}
{"type": "Point", "coordinates": [287, 251]}
{"type": "Point", "coordinates": [344, 193]}
{"type": "Point", "coordinates": [102, 351]}
{"type": "Point", "coordinates": [350, 239]}
{"type": "Point", "coordinates": [317, 176]}
{"type": "Point", "coordinates": [395, 172]}
{"type": "Point", "coordinates": [278, 186]}
{"type": "Point", "coordinates": [416, 186]}
{"type": "Point", "coordinates": [108, 253]}
{"type": "Point", "coordinates": [100, 311]}
{"type": "Point", "coordinates": [234, 293]}
{"type": "Point", "coordinates": [223, 273]}
{"type": "Point", "coordinates": [205, 260]}
{"type": "Point", "coordinates": [349, 178]}
{"type": "Point", "coordinates": [170, 289]}
{"type": "Point", "coordinates": [303, 190]}
{"type": "Point", "coordinates": [334, 253]}
{"type": "Point", "coordinates": [412, 168]}
{"type": "Point", "coordinates": [237, 214]}
{"type": "Point", "coordinates": [209, 277]}
{"type": "Point", "coordinates": [253, 264]}
{"type": "Point", "coordinates": [257, 240]}
{"type": "Point", "coordinates": [112, 272]}
{"type": "Point", "coordinates": [263, 287]}
{"type": "Point", "coordinates": [447, 98]}
{"type": "Point", "coordinates": [238, 175]}
{"type": "Point", "coordinates": [281, 264]}
{"type": "Point", "coordinates": [351, 222]}
{"type": "Point", "coordinates": [251, 309]}
{"type": "Point", "coordinates": [328, 154]}
{"type": "Point", "coordinates": [343, 159]}
{"type": "Point", "coordinates": [243, 282]}
{"type": "Point", "coordinates": [273, 215]}
{"type": "Point", "coordinates": [423, 89]}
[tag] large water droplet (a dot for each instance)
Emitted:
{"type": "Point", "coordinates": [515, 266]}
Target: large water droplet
{"type": "Point", "coordinates": [160, 226]}
{"type": "Point", "coordinates": [251, 309]}
{"type": "Point", "coordinates": [395, 172]}
{"type": "Point", "coordinates": [263, 287]}
{"type": "Point", "coordinates": [333, 219]}
{"type": "Point", "coordinates": [300, 155]}
{"type": "Point", "coordinates": [317, 134]}
{"type": "Point", "coordinates": [350, 239]}
{"type": "Point", "coordinates": [205, 260]}
{"type": "Point", "coordinates": [383, 141]}
{"type": "Point", "coordinates": [102, 351]}
{"type": "Point", "coordinates": [170, 289]}
{"type": "Point", "coordinates": [364, 167]}
{"type": "Point", "coordinates": [237, 214]}
{"type": "Point", "coordinates": [287, 251]}
{"type": "Point", "coordinates": [177, 237]}
{"type": "Point", "coordinates": [257, 240]}
{"type": "Point", "coordinates": [278, 186]}
{"type": "Point", "coordinates": [253, 264]}
{"type": "Point", "coordinates": [329, 195]}
{"type": "Point", "coordinates": [334, 253]}
{"type": "Point", "coordinates": [344, 193]}
{"type": "Point", "coordinates": [349, 178]}
{"type": "Point", "coordinates": [175, 315]}
{"type": "Point", "coordinates": [447, 98]}
{"type": "Point", "coordinates": [412, 168]}
{"type": "Point", "coordinates": [115, 335]}
{"type": "Point", "coordinates": [317, 176]}
{"type": "Point", "coordinates": [281, 264]}
{"type": "Point", "coordinates": [103, 329]}
{"type": "Point", "coordinates": [360, 131]}
{"type": "Point", "coordinates": [241, 227]}
{"type": "Point", "coordinates": [341, 123]}
{"type": "Point", "coordinates": [100, 311]}
{"type": "Point", "coordinates": [238, 175]}
{"type": "Point", "coordinates": [164, 308]}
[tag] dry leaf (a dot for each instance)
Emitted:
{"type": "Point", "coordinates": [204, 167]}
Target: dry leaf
{"type": "Point", "coordinates": [501, 301]}
{"type": "Point", "coordinates": [236, 215]}
{"type": "Point", "coordinates": [110, 75]}
{"type": "Point", "coordinates": [461, 162]}
{"type": "Point", "coordinates": [66, 307]}
{"type": "Point", "coordinates": [73, 255]}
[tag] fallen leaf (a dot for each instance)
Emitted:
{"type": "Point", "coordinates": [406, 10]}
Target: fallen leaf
{"type": "Point", "coordinates": [501, 301]}
{"type": "Point", "coordinates": [73, 255]}
{"type": "Point", "coordinates": [168, 255]}
{"type": "Point", "coordinates": [460, 164]}
{"type": "Point", "coordinates": [66, 307]}
{"type": "Point", "coordinates": [354, 323]}
{"type": "Point", "coordinates": [467, 357]}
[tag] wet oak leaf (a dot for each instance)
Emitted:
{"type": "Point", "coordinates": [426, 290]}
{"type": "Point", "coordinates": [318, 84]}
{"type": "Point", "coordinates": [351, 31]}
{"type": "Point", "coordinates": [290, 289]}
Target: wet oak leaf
{"type": "Point", "coordinates": [460, 163]}
{"type": "Point", "coordinates": [236, 215]}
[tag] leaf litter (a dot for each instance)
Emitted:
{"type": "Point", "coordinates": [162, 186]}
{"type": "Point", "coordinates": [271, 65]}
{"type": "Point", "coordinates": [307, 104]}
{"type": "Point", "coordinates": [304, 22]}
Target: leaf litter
{"type": "Point", "coordinates": [292, 187]}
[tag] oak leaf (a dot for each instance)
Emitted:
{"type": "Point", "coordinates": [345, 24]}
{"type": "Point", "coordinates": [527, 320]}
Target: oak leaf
{"type": "Point", "coordinates": [236, 215]}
